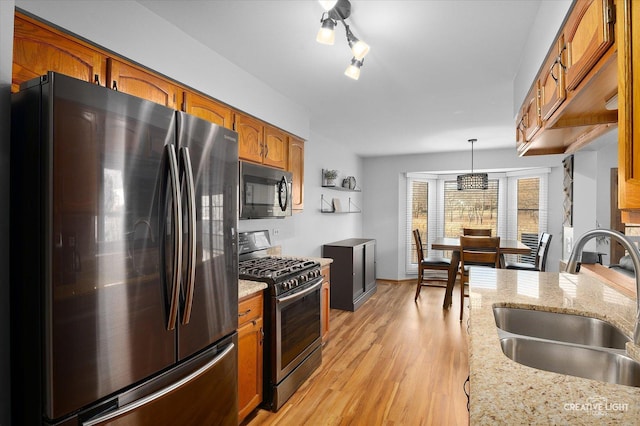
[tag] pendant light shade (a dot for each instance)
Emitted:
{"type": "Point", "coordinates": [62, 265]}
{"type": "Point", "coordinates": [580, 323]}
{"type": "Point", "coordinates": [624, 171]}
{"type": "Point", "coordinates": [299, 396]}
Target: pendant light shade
{"type": "Point", "coordinates": [326, 33]}
{"type": "Point", "coordinates": [327, 4]}
{"type": "Point", "coordinates": [353, 70]}
{"type": "Point", "coordinates": [471, 181]}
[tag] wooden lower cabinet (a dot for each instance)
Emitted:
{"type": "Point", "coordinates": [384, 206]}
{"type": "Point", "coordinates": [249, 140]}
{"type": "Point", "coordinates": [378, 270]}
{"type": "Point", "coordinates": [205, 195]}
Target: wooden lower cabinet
{"type": "Point", "coordinates": [325, 300]}
{"type": "Point", "coordinates": [250, 349]}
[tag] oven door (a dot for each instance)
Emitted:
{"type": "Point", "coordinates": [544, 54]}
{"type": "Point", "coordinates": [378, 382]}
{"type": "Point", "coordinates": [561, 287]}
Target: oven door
{"type": "Point", "coordinates": [297, 327]}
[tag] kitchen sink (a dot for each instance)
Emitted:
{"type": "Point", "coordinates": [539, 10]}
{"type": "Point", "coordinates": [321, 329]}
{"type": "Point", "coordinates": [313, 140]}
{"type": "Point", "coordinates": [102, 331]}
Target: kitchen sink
{"type": "Point", "coordinates": [560, 327]}
{"type": "Point", "coordinates": [581, 361]}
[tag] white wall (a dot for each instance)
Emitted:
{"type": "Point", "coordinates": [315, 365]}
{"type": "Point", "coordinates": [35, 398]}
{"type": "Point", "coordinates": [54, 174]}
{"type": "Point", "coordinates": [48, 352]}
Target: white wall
{"type": "Point", "coordinates": [592, 189]}
{"type": "Point", "coordinates": [384, 203]}
{"type": "Point", "coordinates": [550, 16]}
{"type": "Point", "coordinates": [6, 55]}
{"type": "Point", "coordinates": [304, 233]}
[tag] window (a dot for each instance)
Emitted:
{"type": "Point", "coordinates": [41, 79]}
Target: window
{"type": "Point", "coordinates": [514, 207]}
{"type": "Point", "coordinates": [470, 209]}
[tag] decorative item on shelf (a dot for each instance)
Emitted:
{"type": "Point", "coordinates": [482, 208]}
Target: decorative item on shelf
{"type": "Point", "coordinates": [337, 205]}
{"type": "Point", "coordinates": [329, 177]}
{"type": "Point", "coordinates": [349, 182]}
{"type": "Point", "coordinates": [473, 180]}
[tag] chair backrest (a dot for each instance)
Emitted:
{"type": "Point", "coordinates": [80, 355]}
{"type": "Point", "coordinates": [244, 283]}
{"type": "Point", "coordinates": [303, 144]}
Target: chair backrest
{"type": "Point", "coordinates": [418, 241]}
{"type": "Point", "coordinates": [543, 251]}
{"type": "Point", "coordinates": [483, 251]}
{"type": "Point", "coordinates": [476, 232]}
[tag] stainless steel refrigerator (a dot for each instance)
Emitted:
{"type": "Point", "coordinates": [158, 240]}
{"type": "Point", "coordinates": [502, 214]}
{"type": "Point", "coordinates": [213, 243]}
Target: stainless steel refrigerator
{"type": "Point", "coordinates": [124, 270]}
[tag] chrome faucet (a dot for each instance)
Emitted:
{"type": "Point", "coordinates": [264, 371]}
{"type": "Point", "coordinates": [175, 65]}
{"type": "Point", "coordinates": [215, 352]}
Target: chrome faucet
{"type": "Point", "coordinates": [572, 265]}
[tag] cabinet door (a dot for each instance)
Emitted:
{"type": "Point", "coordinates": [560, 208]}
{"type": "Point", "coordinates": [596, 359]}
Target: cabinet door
{"type": "Point", "coordinates": [325, 298]}
{"type": "Point", "coordinates": [250, 138]}
{"type": "Point", "coordinates": [37, 50]}
{"type": "Point", "coordinates": [134, 81]}
{"type": "Point", "coordinates": [276, 148]}
{"type": "Point", "coordinates": [296, 167]}
{"type": "Point", "coordinates": [207, 109]}
{"type": "Point", "coordinates": [589, 34]}
{"type": "Point", "coordinates": [552, 82]}
{"type": "Point", "coordinates": [529, 118]}
{"type": "Point", "coordinates": [369, 265]}
{"type": "Point", "coordinates": [628, 16]}
{"type": "Point", "coordinates": [358, 271]}
{"type": "Point", "coordinates": [249, 367]}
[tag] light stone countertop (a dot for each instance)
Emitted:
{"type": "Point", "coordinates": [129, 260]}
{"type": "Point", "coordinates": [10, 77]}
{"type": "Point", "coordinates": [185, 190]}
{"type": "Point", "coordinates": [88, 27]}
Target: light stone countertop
{"type": "Point", "coordinates": [247, 288]}
{"type": "Point", "coordinates": [505, 392]}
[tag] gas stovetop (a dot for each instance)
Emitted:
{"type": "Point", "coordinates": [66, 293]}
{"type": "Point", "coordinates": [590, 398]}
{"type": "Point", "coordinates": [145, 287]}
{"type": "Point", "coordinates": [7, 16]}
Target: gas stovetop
{"type": "Point", "coordinates": [282, 274]}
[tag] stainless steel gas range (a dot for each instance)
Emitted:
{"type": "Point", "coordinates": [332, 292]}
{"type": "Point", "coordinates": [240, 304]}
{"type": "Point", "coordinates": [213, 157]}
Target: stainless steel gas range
{"type": "Point", "coordinates": [291, 315]}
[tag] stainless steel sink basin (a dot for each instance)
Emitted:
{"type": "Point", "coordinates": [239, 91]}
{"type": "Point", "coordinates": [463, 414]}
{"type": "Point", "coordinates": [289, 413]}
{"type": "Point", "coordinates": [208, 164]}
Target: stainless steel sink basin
{"type": "Point", "coordinates": [589, 363]}
{"type": "Point", "coordinates": [560, 327]}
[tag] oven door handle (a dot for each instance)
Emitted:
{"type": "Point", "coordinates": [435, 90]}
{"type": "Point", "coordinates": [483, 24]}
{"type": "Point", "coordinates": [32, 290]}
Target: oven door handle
{"type": "Point", "coordinates": [300, 294]}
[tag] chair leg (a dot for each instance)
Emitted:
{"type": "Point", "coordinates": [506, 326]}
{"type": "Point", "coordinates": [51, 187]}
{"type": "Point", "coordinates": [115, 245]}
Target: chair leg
{"type": "Point", "coordinates": [461, 297]}
{"type": "Point", "coordinates": [415, 299]}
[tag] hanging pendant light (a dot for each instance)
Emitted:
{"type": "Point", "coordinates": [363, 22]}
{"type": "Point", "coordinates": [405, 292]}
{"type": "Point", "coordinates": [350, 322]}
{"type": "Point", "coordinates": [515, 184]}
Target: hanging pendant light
{"type": "Point", "coordinates": [470, 181]}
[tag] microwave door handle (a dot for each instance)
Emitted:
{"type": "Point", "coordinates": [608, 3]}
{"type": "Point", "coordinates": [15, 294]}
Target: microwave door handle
{"type": "Point", "coordinates": [187, 174]}
{"type": "Point", "coordinates": [283, 182]}
{"type": "Point", "coordinates": [177, 236]}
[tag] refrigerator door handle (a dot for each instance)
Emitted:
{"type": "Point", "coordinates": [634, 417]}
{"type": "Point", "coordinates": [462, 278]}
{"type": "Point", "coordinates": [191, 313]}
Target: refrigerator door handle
{"type": "Point", "coordinates": [157, 395]}
{"type": "Point", "coordinates": [185, 163]}
{"type": "Point", "coordinates": [177, 236]}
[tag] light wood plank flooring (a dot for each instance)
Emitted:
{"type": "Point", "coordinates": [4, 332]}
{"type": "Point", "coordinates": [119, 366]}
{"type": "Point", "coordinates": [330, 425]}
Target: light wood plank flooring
{"type": "Point", "coordinates": [392, 362]}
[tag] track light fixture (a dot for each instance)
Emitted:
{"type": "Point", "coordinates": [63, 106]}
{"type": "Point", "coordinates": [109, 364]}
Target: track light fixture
{"type": "Point", "coordinates": [339, 11]}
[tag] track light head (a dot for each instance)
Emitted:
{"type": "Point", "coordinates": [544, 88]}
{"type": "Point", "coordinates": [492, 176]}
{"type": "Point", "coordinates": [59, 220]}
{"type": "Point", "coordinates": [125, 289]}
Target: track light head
{"type": "Point", "coordinates": [353, 70]}
{"type": "Point", "coordinates": [326, 33]}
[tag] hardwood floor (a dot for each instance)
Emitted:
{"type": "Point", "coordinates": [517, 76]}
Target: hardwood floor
{"type": "Point", "coordinates": [392, 362]}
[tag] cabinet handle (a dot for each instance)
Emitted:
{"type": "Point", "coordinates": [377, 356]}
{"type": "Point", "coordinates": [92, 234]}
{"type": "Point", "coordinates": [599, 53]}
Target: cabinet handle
{"type": "Point", "coordinates": [266, 150]}
{"type": "Point", "coordinates": [244, 313]}
{"type": "Point", "coordinates": [96, 79]}
{"type": "Point", "coordinates": [115, 86]}
{"type": "Point", "coordinates": [551, 70]}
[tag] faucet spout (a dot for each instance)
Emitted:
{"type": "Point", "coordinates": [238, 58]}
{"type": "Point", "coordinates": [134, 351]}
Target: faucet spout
{"type": "Point", "coordinates": [572, 264]}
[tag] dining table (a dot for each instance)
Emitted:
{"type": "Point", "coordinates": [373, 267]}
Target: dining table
{"type": "Point", "coordinates": [507, 246]}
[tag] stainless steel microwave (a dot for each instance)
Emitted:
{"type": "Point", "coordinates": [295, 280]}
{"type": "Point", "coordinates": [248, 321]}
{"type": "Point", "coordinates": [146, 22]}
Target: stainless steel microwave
{"type": "Point", "coordinates": [265, 192]}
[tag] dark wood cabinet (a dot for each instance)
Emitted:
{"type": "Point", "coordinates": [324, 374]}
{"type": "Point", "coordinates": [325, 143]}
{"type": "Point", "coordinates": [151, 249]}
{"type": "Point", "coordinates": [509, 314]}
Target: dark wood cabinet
{"type": "Point", "coordinates": [353, 272]}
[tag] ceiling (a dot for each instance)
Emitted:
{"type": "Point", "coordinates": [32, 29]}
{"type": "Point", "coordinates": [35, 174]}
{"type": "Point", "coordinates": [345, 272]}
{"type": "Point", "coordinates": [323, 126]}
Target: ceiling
{"type": "Point", "coordinates": [438, 73]}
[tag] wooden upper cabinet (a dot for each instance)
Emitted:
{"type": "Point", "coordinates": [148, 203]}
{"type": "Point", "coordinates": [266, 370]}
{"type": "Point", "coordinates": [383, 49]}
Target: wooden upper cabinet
{"type": "Point", "coordinates": [261, 143]}
{"type": "Point", "coordinates": [207, 109]}
{"type": "Point", "coordinates": [250, 138]}
{"type": "Point", "coordinates": [628, 27]}
{"type": "Point", "coordinates": [137, 82]}
{"type": "Point", "coordinates": [276, 150]}
{"type": "Point", "coordinates": [38, 49]}
{"type": "Point", "coordinates": [529, 121]}
{"type": "Point", "coordinates": [588, 35]}
{"type": "Point", "coordinates": [552, 82]}
{"type": "Point", "coordinates": [296, 167]}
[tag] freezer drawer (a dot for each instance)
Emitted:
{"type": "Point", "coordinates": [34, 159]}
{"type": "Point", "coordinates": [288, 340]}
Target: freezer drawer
{"type": "Point", "coordinates": [206, 395]}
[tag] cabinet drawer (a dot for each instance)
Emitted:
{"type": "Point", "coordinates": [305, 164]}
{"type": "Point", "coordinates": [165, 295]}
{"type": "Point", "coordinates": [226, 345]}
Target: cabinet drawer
{"type": "Point", "coordinates": [249, 308]}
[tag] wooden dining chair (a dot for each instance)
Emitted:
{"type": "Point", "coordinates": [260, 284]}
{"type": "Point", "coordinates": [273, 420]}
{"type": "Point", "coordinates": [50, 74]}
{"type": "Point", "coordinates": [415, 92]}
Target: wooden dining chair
{"type": "Point", "coordinates": [541, 257]}
{"type": "Point", "coordinates": [478, 232]}
{"type": "Point", "coordinates": [476, 251]}
{"type": "Point", "coordinates": [429, 264]}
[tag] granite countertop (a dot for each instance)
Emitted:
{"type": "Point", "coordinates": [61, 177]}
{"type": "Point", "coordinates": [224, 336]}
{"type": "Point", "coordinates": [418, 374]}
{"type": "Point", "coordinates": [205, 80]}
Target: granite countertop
{"type": "Point", "coordinates": [505, 392]}
{"type": "Point", "coordinates": [247, 287]}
